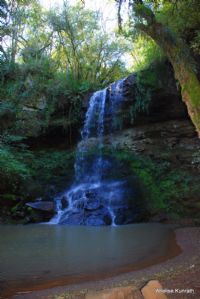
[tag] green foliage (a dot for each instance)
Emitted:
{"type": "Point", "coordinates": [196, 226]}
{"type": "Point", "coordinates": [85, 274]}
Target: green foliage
{"type": "Point", "coordinates": [148, 81]}
{"type": "Point", "coordinates": [34, 94]}
{"type": "Point", "coordinates": [145, 51]}
{"type": "Point", "coordinates": [51, 165]}
{"type": "Point", "coordinates": [83, 47]}
{"type": "Point", "coordinates": [182, 16]}
{"type": "Point", "coordinates": [13, 171]}
{"type": "Point", "coordinates": [142, 99]}
{"type": "Point", "coordinates": [173, 25]}
{"type": "Point", "coordinates": [184, 19]}
{"type": "Point", "coordinates": [65, 95]}
{"type": "Point", "coordinates": [52, 61]}
{"type": "Point", "coordinates": [195, 44]}
{"type": "Point", "coordinates": [20, 168]}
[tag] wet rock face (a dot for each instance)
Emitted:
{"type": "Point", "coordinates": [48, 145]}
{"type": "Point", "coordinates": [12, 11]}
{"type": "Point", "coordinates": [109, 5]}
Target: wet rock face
{"type": "Point", "coordinates": [111, 202]}
{"type": "Point", "coordinates": [64, 202]}
{"type": "Point", "coordinates": [116, 198]}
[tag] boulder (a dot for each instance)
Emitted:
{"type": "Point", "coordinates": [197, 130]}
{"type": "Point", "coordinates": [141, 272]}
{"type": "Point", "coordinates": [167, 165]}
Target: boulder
{"type": "Point", "coordinates": [47, 206]}
{"type": "Point", "coordinates": [94, 221]}
{"type": "Point", "coordinates": [97, 218]}
{"type": "Point", "coordinates": [92, 204]}
{"type": "Point", "coordinates": [73, 218]}
{"type": "Point", "coordinates": [82, 217]}
{"type": "Point", "coordinates": [64, 202]}
{"type": "Point", "coordinates": [153, 290]}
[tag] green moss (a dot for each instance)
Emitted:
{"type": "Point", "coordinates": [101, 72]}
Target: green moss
{"type": "Point", "coordinates": [8, 197]}
{"type": "Point", "coordinates": [51, 165]}
{"type": "Point", "coordinates": [165, 188]}
{"type": "Point", "coordinates": [192, 86]}
{"type": "Point", "coordinates": [191, 92]}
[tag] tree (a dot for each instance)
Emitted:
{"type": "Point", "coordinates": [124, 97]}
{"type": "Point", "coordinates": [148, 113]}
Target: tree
{"type": "Point", "coordinates": [175, 48]}
{"type": "Point", "coordinates": [82, 47]}
{"type": "Point", "coordinates": [3, 26]}
{"type": "Point", "coordinates": [14, 16]}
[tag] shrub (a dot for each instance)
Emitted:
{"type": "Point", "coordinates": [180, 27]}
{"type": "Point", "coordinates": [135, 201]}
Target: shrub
{"type": "Point", "coordinates": [13, 172]}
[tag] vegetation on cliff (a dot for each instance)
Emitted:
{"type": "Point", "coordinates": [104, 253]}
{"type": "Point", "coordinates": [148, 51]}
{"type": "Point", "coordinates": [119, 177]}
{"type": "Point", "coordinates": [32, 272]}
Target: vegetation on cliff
{"type": "Point", "coordinates": [167, 189]}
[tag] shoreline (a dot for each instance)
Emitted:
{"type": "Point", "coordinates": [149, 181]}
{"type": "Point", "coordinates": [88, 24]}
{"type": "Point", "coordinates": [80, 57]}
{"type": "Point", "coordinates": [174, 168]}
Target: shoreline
{"type": "Point", "coordinates": [165, 270]}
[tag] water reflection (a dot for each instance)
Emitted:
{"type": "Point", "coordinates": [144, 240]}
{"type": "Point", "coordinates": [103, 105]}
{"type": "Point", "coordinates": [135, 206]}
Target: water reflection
{"type": "Point", "coordinates": [41, 251]}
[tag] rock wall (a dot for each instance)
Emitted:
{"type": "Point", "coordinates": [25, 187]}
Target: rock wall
{"type": "Point", "coordinates": [174, 140]}
{"type": "Point", "coordinates": [165, 135]}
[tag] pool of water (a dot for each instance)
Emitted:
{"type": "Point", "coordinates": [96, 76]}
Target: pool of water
{"type": "Point", "coordinates": [39, 253]}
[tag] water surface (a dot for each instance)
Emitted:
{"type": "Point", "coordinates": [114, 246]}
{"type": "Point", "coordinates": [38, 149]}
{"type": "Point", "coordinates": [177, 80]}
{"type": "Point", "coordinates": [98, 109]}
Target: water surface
{"type": "Point", "coordinates": [33, 254]}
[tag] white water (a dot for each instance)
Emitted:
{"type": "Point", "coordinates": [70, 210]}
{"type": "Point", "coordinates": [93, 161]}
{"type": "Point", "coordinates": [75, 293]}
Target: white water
{"type": "Point", "coordinates": [89, 169]}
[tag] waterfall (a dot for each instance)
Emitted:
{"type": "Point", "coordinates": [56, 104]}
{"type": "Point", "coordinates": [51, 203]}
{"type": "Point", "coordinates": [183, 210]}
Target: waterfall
{"type": "Point", "coordinates": [94, 199]}
{"type": "Point", "coordinates": [93, 126]}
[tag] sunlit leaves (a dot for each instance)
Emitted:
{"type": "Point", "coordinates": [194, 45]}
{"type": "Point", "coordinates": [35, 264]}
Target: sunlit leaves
{"type": "Point", "coordinates": [83, 47]}
{"type": "Point", "coordinates": [145, 50]}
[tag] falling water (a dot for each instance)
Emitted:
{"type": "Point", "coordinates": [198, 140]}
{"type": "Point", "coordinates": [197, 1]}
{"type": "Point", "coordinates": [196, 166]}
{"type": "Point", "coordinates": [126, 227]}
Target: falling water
{"type": "Point", "coordinates": [93, 199]}
{"type": "Point", "coordinates": [93, 126]}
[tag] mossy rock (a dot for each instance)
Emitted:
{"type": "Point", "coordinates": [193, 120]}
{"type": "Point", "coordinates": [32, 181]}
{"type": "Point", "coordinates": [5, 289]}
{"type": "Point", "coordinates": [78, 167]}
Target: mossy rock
{"type": "Point", "coordinates": [164, 187]}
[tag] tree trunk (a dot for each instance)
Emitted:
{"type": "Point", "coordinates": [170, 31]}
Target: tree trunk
{"type": "Point", "coordinates": [182, 61]}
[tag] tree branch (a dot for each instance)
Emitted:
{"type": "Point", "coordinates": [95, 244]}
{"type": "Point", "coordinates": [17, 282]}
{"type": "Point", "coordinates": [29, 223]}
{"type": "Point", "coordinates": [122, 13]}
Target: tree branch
{"type": "Point", "coordinates": [144, 12]}
{"type": "Point", "coordinates": [119, 14]}
{"type": "Point", "coordinates": [4, 52]}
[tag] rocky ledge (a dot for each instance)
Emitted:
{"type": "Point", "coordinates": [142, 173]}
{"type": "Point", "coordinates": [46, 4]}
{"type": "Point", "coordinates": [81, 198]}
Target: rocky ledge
{"type": "Point", "coordinates": [176, 140]}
